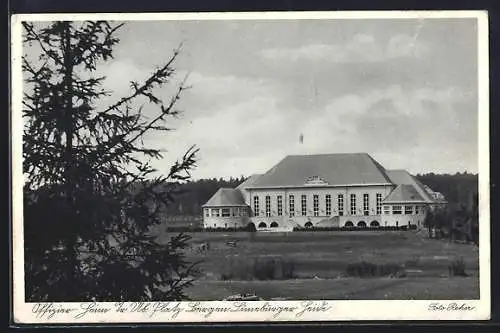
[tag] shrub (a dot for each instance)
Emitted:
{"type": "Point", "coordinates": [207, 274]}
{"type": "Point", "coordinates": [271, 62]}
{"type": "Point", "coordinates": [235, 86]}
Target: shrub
{"type": "Point", "coordinates": [351, 229]}
{"type": "Point", "coordinates": [367, 269]}
{"type": "Point", "coordinates": [457, 268]}
{"type": "Point", "coordinates": [261, 268]}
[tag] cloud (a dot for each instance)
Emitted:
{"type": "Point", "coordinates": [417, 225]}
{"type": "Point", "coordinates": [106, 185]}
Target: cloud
{"type": "Point", "coordinates": [210, 92]}
{"type": "Point", "coordinates": [394, 123]}
{"type": "Point", "coordinates": [360, 48]}
{"type": "Point", "coordinates": [399, 127]}
{"type": "Point", "coordinates": [238, 139]}
{"type": "Point", "coordinates": [239, 124]}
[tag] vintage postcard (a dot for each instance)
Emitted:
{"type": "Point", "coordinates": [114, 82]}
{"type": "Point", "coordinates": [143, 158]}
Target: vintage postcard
{"type": "Point", "coordinates": [250, 167]}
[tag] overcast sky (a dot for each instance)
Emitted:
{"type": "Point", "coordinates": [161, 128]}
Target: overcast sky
{"type": "Point", "coordinates": [404, 91]}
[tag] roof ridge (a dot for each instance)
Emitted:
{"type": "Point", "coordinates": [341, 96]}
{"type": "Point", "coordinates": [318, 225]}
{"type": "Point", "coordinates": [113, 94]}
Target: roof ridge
{"type": "Point", "coordinates": [327, 154]}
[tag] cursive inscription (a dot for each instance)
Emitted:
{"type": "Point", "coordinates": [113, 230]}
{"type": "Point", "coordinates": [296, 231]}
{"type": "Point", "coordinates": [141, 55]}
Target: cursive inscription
{"type": "Point", "coordinates": [450, 307]}
{"type": "Point", "coordinates": [172, 310]}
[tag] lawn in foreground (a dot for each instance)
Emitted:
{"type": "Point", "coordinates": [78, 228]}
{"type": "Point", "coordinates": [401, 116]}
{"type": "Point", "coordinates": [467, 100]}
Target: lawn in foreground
{"type": "Point", "coordinates": [321, 259]}
{"type": "Point", "coordinates": [341, 289]}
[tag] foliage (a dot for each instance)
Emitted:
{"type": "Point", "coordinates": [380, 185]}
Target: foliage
{"type": "Point", "coordinates": [377, 229]}
{"type": "Point", "coordinates": [368, 269]}
{"type": "Point", "coordinates": [454, 223]}
{"type": "Point", "coordinates": [91, 193]}
{"type": "Point", "coordinates": [193, 194]}
{"type": "Point", "coordinates": [457, 188]}
{"type": "Point", "coordinates": [457, 268]}
{"type": "Point", "coordinates": [260, 268]}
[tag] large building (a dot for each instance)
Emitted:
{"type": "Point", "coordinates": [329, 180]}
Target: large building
{"type": "Point", "coordinates": [329, 190]}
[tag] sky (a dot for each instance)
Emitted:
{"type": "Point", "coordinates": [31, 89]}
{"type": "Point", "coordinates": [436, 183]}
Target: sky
{"type": "Point", "coordinates": [402, 90]}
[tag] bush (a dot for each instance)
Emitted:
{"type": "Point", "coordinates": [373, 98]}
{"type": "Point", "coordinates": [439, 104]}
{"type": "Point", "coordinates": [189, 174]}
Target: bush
{"type": "Point", "coordinates": [382, 228]}
{"type": "Point", "coordinates": [367, 269]}
{"type": "Point", "coordinates": [457, 268]}
{"type": "Point", "coordinates": [261, 268]}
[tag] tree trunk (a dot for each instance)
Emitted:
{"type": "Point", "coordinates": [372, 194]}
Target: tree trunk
{"type": "Point", "coordinates": [69, 160]}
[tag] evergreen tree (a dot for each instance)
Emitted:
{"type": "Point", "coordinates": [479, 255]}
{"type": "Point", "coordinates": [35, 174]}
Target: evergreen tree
{"type": "Point", "coordinates": [90, 195]}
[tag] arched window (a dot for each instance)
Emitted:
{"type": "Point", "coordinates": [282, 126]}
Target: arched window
{"type": "Point", "coordinates": [262, 225]}
{"type": "Point", "coordinates": [362, 224]}
{"type": "Point", "coordinates": [308, 224]}
{"type": "Point", "coordinates": [251, 226]}
{"type": "Point", "coordinates": [349, 224]}
{"type": "Point", "coordinates": [274, 225]}
{"type": "Point", "coordinates": [374, 224]}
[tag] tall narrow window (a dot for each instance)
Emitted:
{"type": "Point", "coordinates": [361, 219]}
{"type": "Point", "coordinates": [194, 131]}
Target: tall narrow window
{"type": "Point", "coordinates": [303, 203]}
{"type": "Point", "coordinates": [353, 204]}
{"type": "Point", "coordinates": [280, 205]}
{"type": "Point", "coordinates": [366, 204]}
{"type": "Point", "coordinates": [207, 212]}
{"type": "Point", "coordinates": [417, 211]}
{"type": "Point", "coordinates": [340, 202]}
{"type": "Point", "coordinates": [379, 203]}
{"type": "Point", "coordinates": [291, 204]}
{"type": "Point", "coordinates": [268, 206]}
{"type": "Point", "coordinates": [316, 205]}
{"type": "Point", "coordinates": [328, 203]}
{"type": "Point", "coordinates": [256, 206]}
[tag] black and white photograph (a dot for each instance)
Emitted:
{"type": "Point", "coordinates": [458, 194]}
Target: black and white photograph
{"type": "Point", "coordinates": [250, 166]}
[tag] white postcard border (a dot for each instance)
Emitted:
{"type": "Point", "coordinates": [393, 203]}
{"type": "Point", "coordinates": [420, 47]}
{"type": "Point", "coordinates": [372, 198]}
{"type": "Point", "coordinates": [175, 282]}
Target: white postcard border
{"type": "Point", "coordinates": [335, 310]}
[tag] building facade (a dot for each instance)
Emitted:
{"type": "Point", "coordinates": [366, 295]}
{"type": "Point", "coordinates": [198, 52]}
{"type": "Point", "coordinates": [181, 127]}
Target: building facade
{"type": "Point", "coordinates": [329, 190]}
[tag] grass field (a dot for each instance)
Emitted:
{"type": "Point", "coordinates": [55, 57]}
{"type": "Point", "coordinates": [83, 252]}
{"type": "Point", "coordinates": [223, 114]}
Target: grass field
{"type": "Point", "coordinates": [321, 259]}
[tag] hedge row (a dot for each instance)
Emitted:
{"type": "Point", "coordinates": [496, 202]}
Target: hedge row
{"type": "Point", "coordinates": [199, 229]}
{"type": "Point", "coordinates": [389, 228]}
{"type": "Point", "coordinates": [301, 229]}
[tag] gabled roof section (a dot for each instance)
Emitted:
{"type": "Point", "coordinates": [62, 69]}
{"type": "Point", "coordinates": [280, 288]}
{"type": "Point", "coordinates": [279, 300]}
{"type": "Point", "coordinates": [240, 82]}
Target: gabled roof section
{"type": "Point", "coordinates": [248, 182]}
{"type": "Point", "coordinates": [226, 197]}
{"type": "Point", "coordinates": [330, 169]}
{"type": "Point", "coordinates": [403, 177]}
{"type": "Point", "coordinates": [404, 193]}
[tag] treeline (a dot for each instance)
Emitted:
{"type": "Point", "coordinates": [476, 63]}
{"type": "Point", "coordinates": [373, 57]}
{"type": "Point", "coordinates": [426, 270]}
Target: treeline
{"type": "Point", "coordinates": [192, 195]}
{"type": "Point", "coordinates": [458, 189]}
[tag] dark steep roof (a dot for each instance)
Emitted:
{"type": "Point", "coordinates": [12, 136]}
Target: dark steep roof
{"type": "Point", "coordinates": [404, 193]}
{"type": "Point", "coordinates": [248, 182]}
{"type": "Point", "coordinates": [334, 169]}
{"type": "Point", "coordinates": [403, 177]}
{"type": "Point", "coordinates": [226, 197]}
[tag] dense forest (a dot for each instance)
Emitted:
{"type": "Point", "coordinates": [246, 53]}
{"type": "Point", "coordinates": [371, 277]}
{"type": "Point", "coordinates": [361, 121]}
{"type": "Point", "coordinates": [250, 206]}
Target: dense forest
{"type": "Point", "coordinates": [193, 194]}
{"type": "Point", "coordinates": [457, 188]}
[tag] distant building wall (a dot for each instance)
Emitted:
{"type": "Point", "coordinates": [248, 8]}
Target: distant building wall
{"type": "Point", "coordinates": [271, 216]}
{"type": "Point", "coordinates": [322, 212]}
{"type": "Point", "coordinates": [360, 221]}
{"type": "Point", "coordinates": [225, 217]}
{"type": "Point", "coordinates": [394, 215]}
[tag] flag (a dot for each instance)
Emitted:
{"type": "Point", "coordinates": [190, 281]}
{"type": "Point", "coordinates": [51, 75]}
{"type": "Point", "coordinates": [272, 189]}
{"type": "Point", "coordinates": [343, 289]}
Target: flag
{"type": "Point", "coordinates": [301, 138]}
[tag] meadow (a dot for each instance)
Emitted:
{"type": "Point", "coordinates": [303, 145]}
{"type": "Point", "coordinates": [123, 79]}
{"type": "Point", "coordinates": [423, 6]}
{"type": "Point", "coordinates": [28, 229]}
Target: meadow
{"type": "Point", "coordinates": [320, 261]}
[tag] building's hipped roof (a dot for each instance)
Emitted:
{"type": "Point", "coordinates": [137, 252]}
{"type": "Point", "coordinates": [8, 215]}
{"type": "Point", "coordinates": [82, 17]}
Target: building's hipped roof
{"type": "Point", "coordinates": [334, 169]}
{"type": "Point", "coordinates": [404, 193]}
{"type": "Point", "coordinates": [248, 182]}
{"type": "Point", "coordinates": [403, 177]}
{"type": "Point", "coordinates": [226, 197]}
